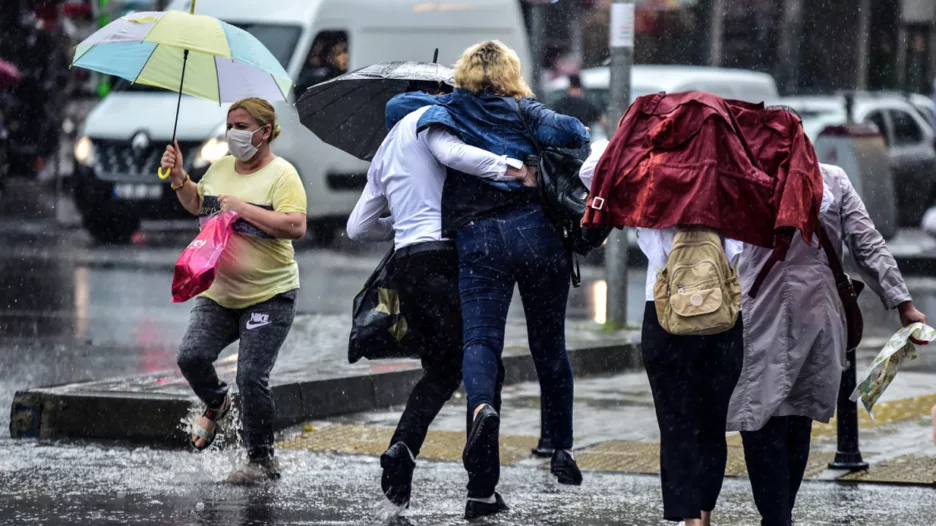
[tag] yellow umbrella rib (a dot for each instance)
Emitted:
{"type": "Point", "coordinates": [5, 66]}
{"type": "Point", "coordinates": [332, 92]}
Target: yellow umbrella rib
{"type": "Point", "coordinates": [144, 20]}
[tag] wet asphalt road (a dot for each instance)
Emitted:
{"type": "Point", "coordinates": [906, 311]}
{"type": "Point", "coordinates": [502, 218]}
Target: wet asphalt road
{"type": "Point", "coordinates": [72, 311]}
{"type": "Point", "coordinates": [59, 485]}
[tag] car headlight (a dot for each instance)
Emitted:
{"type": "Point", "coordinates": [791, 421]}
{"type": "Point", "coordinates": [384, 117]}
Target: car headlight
{"type": "Point", "coordinates": [213, 149]}
{"type": "Point", "coordinates": [84, 151]}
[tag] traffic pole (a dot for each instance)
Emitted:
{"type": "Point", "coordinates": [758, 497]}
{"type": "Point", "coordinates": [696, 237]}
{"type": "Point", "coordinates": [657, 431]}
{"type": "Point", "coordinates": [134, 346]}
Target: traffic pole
{"type": "Point", "coordinates": [537, 43]}
{"type": "Point", "coordinates": [622, 58]}
{"type": "Point", "coordinates": [848, 455]}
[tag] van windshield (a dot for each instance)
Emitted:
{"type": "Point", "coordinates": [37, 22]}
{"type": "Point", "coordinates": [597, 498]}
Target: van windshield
{"type": "Point", "coordinates": [278, 38]}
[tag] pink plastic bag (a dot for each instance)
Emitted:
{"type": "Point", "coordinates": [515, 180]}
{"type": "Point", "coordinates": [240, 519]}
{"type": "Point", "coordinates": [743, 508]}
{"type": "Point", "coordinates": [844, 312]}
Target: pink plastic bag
{"type": "Point", "coordinates": [195, 268]}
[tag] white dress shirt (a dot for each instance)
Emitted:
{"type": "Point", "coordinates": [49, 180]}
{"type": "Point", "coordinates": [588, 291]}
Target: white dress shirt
{"type": "Point", "coordinates": [406, 178]}
{"type": "Point", "coordinates": [654, 243]}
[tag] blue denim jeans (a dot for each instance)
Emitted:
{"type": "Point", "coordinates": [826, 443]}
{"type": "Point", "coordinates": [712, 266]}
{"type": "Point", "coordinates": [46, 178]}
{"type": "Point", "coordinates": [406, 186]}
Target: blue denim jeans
{"type": "Point", "coordinates": [519, 247]}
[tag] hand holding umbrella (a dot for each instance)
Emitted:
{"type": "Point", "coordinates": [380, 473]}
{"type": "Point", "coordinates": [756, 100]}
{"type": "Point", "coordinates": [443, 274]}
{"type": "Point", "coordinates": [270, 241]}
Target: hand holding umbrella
{"type": "Point", "coordinates": [172, 161]}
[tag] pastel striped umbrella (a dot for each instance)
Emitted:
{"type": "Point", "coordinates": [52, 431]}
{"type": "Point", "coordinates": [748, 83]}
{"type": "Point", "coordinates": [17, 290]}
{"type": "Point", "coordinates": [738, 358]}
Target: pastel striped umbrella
{"type": "Point", "coordinates": [193, 54]}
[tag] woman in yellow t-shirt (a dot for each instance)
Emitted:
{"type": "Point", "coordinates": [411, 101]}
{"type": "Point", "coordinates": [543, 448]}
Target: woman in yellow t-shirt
{"type": "Point", "coordinates": [253, 295]}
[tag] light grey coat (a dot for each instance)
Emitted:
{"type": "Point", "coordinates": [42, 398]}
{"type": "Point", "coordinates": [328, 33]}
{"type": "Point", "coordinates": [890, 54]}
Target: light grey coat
{"type": "Point", "coordinates": [794, 331]}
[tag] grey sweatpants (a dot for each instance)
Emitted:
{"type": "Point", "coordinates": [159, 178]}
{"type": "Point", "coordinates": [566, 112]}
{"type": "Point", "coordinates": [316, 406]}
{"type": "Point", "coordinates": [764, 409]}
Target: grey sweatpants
{"type": "Point", "coordinates": [261, 329]}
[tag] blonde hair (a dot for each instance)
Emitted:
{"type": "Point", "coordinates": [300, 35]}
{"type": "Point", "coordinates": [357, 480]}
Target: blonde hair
{"type": "Point", "coordinates": [261, 111]}
{"type": "Point", "coordinates": [491, 65]}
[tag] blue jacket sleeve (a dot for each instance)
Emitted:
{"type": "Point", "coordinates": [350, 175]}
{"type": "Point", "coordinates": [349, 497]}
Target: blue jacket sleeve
{"type": "Point", "coordinates": [554, 129]}
{"type": "Point", "coordinates": [405, 103]}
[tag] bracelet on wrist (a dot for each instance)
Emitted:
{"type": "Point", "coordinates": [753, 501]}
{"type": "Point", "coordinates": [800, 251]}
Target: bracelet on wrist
{"type": "Point", "coordinates": [181, 185]}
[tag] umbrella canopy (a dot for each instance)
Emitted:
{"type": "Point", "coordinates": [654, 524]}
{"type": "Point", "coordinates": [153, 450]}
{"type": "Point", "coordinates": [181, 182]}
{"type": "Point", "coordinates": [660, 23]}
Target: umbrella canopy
{"type": "Point", "coordinates": [9, 74]}
{"type": "Point", "coordinates": [347, 112]}
{"type": "Point", "coordinates": [223, 63]}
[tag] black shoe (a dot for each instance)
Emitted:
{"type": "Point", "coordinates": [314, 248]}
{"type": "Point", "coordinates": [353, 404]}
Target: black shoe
{"type": "Point", "coordinates": [475, 509]}
{"type": "Point", "coordinates": [481, 451]}
{"type": "Point", "coordinates": [397, 478]}
{"type": "Point", "coordinates": [544, 449]}
{"type": "Point", "coordinates": [563, 466]}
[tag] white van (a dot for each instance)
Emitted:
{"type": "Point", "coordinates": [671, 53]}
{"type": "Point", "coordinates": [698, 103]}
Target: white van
{"type": "Point", "coordinates": [124, 136]}
{"type": "Point", "coordinates": [738, 84]}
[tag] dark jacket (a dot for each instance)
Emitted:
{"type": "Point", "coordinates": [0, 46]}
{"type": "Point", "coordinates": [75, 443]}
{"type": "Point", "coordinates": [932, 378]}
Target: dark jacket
{"type": "Point", "coordinates": [492, 123]}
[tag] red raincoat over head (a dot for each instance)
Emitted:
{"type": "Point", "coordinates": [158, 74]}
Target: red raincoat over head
{"type": "Point", "coordinates": [697, 159]}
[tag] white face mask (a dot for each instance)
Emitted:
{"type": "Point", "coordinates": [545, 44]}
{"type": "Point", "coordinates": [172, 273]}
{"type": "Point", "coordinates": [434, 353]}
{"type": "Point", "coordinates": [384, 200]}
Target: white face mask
{"type": "Point", "coordinates": [240, 143]}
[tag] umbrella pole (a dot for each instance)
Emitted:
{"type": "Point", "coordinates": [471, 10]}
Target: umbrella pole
{"type": "Point", "coordinates": [175, 126]}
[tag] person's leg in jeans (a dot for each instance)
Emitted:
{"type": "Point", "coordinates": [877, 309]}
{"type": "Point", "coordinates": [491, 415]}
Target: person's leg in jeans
{"type": "Point", "coordinates": [264, 328]}
{"type": "Point", "coordinates": [211, 329]}
{"type": "Point", "coordinates": [539, 260]}
{"type": "Point", "coordinates": [798, 438]}
{"type": "Point", "coordinates": [669, 362]}
{"type": "Point", "coordinates": [428, 288]}
{"type": "Point", "coordinates": [718, 369]}
{"type": "Point", "coordinates": [485, 286]}
{"type": "Point", "coordinates": [768, 464]}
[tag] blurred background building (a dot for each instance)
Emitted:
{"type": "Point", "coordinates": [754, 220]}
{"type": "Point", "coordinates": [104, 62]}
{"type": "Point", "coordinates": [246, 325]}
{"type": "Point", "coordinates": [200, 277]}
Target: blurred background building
{"type": "Point", "coordinates": [807, 45]}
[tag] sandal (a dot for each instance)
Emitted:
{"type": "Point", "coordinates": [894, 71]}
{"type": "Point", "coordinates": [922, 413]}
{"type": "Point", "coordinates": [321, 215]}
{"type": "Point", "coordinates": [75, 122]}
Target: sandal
{"type": "Point", "coordinates": [197, 432]}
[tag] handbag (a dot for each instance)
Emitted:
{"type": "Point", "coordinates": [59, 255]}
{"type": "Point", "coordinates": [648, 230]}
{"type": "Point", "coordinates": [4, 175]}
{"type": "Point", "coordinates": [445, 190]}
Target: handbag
{"type": "Point", "coordinates": [564, 199]}
{"type": "Point", "coordinates": [848, 290]}
{"type": "Point", "coordinates": [195, 269]}
{"type": "Point", "coordinates": [378, 328]}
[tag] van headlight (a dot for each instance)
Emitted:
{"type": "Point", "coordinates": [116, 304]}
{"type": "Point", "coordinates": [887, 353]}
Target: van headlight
{"type": "Point", "coordinates": [84, 151]}
{"type": "Point", "coordinates": [213, 149]}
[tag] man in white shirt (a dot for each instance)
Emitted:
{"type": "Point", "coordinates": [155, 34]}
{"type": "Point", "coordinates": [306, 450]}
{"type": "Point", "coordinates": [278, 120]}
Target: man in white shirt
{"type": "Point", "coordinates": [405, 179]}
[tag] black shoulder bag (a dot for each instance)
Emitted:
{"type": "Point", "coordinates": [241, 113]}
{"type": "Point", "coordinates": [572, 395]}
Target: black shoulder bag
{"type": "Point", "coordinates": [564, 198]}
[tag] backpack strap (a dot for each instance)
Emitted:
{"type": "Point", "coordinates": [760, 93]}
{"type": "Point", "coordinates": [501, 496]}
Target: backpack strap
{"type": "Point", "coordinates": [526, 126]}
{"type": "Point", "coordinates": [834, 262]}
{"type": "Point", "coordinates": [784, 239]}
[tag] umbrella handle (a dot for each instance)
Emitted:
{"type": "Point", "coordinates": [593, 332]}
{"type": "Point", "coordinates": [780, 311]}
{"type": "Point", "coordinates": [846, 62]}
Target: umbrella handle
{"type": "Point", "coordinates": [159, 171]}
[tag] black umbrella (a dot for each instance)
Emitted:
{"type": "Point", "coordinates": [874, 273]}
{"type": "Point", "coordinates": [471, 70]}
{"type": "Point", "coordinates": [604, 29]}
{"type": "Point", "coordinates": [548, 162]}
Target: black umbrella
{"type": "Point", "coordinates": [347, 112]}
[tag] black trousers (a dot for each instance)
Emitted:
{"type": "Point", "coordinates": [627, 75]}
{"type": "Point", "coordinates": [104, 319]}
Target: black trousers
{"type": "Point", "coordinates": [776, 457]}
{"type": "Point", "coordinates": [692, 378]}
{"type": "Point", "coordinates": [427, 283]}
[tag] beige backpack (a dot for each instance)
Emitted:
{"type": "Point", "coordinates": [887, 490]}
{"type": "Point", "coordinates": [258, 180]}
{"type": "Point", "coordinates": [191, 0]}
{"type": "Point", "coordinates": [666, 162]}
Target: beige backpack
{"type": "Point", "coordinates": [699, 292]}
